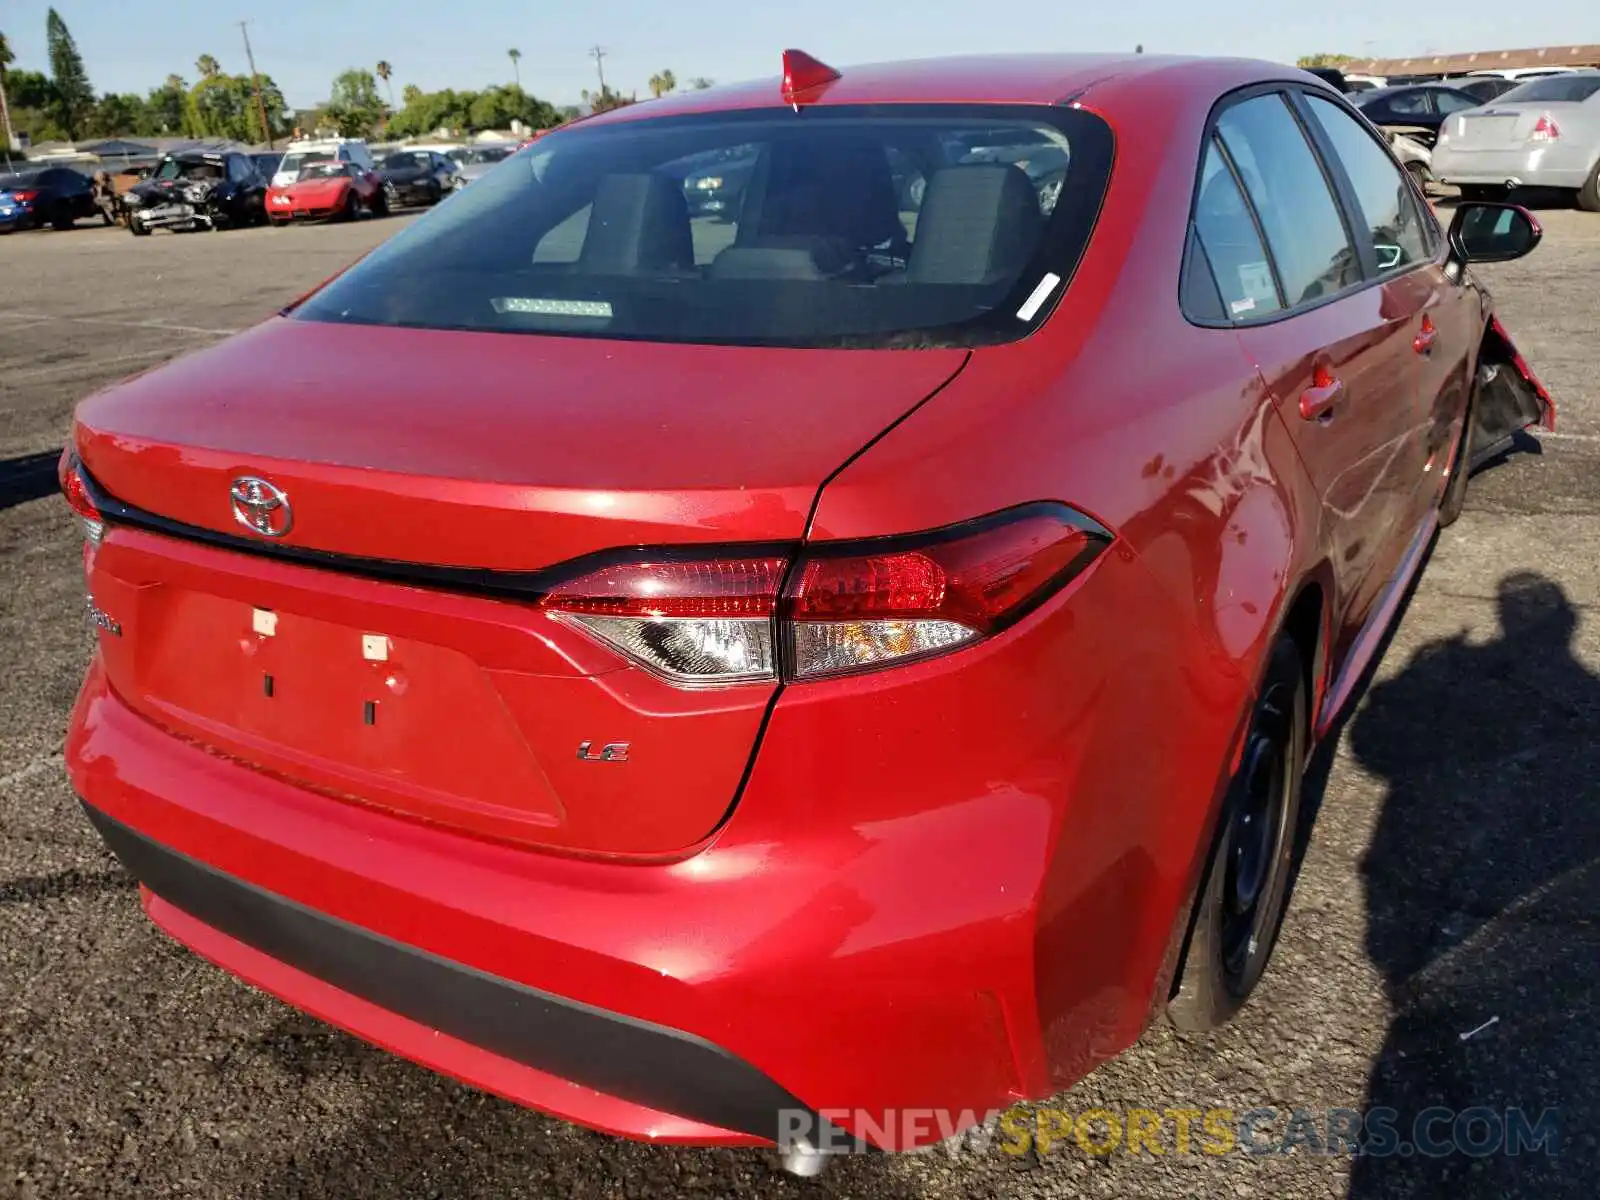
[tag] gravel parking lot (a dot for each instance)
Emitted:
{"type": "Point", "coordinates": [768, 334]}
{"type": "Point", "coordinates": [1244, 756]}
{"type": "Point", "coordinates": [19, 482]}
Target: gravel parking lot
{"type": "Point", "coordinates": [1452, 876]}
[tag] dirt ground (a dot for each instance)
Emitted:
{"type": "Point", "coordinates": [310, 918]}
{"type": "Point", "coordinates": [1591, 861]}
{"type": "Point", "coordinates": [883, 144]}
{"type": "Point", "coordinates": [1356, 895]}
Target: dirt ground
{"type": "Point", "coordinates": [1452, 877]}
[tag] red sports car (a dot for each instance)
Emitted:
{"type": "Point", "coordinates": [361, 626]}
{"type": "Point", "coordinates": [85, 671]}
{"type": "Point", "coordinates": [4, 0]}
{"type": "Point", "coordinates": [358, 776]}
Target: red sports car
{"type": "Point", "coordinates": [829, 672]}
{"type": "Point", "coordinates": [327, 190]}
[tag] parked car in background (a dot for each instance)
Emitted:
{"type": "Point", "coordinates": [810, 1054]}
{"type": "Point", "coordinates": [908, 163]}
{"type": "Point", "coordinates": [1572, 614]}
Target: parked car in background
{"type": "Point", "coordinates": [310, 150]}
{"type": "Point", "coordinates": [1482, 88]}
{"type": "Point", "coordinates": [197, 189]}
{"type": "Point", "coordinates": [325, 189]}
{"type": "Point", "coordinates": [1364, 83]}
{"type": "Point", "coordinates": [1523, 74]}
{"type": "Point", "coordinates": [714, 184]}
{"type": "Point", "coordinates": [1331, 76]}
{"type": "Point", "coordinates": [1544, 133]}
{"type": "Point", "coordinates": [1416, 108]}
{"type": "Point", "coordinates": [416, 177]}
{"type": "Point", "coordinates": [267, 163]}
{"type": "Point", "coordinates": [473, 162]}
{"type": "Point", "coordinates": [38, 196]}
{"type": "Point", "coordinates": [848, 666]}
{"type": "Point", "coordinates": [1415, 157]}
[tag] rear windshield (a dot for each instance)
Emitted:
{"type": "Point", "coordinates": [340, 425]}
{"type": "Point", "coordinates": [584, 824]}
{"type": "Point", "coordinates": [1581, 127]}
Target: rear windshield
{"type": "Point", "coordinates": [20, 179]}
{"type": "Point", "coordinates": [1553, 88]}
{"type": "Point", "coordinates": [890, 225]}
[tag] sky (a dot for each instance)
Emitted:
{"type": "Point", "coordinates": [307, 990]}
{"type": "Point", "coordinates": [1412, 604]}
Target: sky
{"type": "Point", "coordinates": [133, 46]}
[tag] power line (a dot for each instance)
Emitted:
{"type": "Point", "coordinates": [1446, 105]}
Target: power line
{"type": "Point", "coordinates": [255, 80]}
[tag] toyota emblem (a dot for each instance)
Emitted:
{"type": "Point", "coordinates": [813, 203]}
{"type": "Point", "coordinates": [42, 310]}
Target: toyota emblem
{"type": "Point", "coordinates": [261, 507]}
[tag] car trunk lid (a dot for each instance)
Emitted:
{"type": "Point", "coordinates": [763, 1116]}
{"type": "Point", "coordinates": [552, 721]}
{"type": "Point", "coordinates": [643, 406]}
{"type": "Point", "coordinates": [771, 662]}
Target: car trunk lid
{"type": "Point", "coordinates": [385, 648]}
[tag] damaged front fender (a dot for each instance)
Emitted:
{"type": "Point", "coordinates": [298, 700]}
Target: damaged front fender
{"type": "Point", "coordinates": [1509, 399]}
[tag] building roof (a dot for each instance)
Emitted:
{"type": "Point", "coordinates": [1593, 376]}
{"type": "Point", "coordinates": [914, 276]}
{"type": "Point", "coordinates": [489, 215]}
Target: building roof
{"type": "Point", "coordinates": [1587, 55]}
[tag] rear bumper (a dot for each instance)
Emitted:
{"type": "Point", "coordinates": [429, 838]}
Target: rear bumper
{"type": "Point", "coordinates": [1554, 167]}
{"type": "Point", "coordinates": [687, 1002]}
{"type": "Point", "coordinates": [287, 948]}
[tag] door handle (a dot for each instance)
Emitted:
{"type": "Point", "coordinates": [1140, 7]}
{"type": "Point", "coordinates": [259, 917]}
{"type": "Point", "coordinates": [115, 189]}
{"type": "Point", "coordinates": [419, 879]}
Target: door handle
{"type": "Point", "coordinates": [1316, 403]}
{"type": "Point", "coordinates": [1423, 342]}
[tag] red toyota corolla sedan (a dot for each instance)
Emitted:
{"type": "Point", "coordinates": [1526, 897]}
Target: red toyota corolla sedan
{"type": "Point", "coordinates": [852, 656]}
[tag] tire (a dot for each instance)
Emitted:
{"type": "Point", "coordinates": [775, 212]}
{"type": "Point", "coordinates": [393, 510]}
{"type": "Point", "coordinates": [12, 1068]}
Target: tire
{"type": "Point", "coordinates": [1589, 193]}
{"type": "Point", "coordinates": [380, 203]}
{"type": "Point", "coordinates": [1489, 193]}
{"type": "Point", "coordinates": [1241, 903]}
{"type": "Point", "coordinates": [62, 218]}
{"type": "Point", "coordinates": [1420, 175]}
{"type": "Point", "coordinates": [138, 229]}
{"type": "Point", "coordinates": [351, 207]}
{"type": "Point", "coordinates": [1454, 499]}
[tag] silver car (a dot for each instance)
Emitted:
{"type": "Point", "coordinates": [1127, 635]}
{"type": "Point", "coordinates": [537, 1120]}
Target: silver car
{"type": "Point", "coordinates": [1544, 133]}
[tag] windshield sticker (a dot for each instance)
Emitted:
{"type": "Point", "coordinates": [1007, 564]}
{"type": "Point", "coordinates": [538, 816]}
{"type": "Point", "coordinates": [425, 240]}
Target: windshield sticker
{"type": "Point", "coordinates": [1239, 306]}
{"type": "Point", "coordinates": [1038, 296]}
{"type": "Point", "coordinates": [539, 307]}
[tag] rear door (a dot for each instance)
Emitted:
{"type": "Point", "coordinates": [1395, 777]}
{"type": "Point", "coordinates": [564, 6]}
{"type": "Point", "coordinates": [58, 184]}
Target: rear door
{"type": "Point", "coordinates": [1437, 314]}
{"type": "Point", "coordinates": [1335, 352]}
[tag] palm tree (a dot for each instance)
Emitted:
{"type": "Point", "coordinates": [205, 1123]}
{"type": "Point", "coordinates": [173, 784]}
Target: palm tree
{"type": "Point", "coordinates": [661, 83]}
{"type": "Point", "coordinates": [384, 71]}
{"type": "Point", "coordinates": [516, 57]}
{"type": "Point", "coordinates": [207, 66]}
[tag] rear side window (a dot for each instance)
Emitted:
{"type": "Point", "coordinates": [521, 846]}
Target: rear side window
{"type": "Point", "coordinates": [1227, 234]}
{"type": "Point", "coordinates": [1449, 102]}
{"type": "Point", "coordinates": [894, 225]}
{"type": "Point", "coordinates": [1553, 89]}
{"type": "Point", "coordinates": [1292, 197]}
{"type": "Point", "coordinates": [1393, 222]}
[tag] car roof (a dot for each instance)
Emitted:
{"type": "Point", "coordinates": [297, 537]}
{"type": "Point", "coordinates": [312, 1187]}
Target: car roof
{"type": "Point", "coordinates": [978, 79]}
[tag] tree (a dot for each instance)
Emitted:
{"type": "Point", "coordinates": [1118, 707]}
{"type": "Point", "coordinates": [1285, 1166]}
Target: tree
{"type": "Point", "coordinates": [224, 106]}
{"type": "Point", "coordinates": [1324, 60]}
{"type": "Point", "coordinates": [661, 83]}
{"type": "Point", "coordinates": [354, 104]}
{"type": "Point", "coordinates": [700, 83]}
{"type": "Point", "coordinates": [165, 107]}
{"type": "Point", "coordinates": [515, 56]}
{"type": "Point", "coordinates": [606, 99]}
{"type": "Point", "coordinates": [207, 66]}
{"type": "Point", "coordinates": [117, 115]}
{"type": "Point", "coordinates": [468, 112]}
{"type": "Point", "coordinates": [34, 106]}
{"type": "Point", "coordinates": [74, 96]}
{"type": "Point", "coordinates": [384, 71]}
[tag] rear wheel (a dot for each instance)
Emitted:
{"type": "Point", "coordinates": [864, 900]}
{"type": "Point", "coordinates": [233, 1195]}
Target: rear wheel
{"type": "Point", "coordinates": [1589, 193]}
{"type": "Point", "coordinates": [1420, 175]}
{"type": "Point", "coordinates": [1485, 192]}
{"type": "Point", "coordinates": [61, 216]}
{"type": "Point", "coordinates": [1241, 903]}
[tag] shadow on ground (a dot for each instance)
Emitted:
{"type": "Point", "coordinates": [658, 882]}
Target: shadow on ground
{"type": "Point", "coordinates": [28, 477]}
{"type": "Point", "coordinates": [419, 1134]}
{"type": "Point", "coordinates": [1482, 883]}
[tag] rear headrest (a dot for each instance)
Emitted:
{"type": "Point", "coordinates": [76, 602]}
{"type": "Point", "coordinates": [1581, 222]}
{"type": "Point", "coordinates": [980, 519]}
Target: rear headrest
{"type": "Point", "coordinates": [979, 223]}
{"type": "Point", "coordinates": [836, 187]}
{"type": "Point", "coordinates": [638, 223]}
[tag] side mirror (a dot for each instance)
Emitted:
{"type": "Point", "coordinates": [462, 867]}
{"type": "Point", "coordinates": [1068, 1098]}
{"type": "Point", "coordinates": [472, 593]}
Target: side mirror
{"type": "Point", "coordinates": [1482, 233]}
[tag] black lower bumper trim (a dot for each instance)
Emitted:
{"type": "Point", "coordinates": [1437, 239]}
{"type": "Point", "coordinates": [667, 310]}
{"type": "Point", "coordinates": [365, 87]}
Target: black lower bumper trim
{"type": "Point", "coordinates": [651, 1065]}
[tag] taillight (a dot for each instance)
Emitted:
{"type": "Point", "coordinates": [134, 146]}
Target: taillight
{"type": "Point", "coordinates": [70, 475]}
{"type": "Point", "coordinates": [25, 196]}
{"type": "Point", "coordinates": [694, 622]}
{"type": "Point", "coordinates": [1544, 129]}
{"type": "Point", "coordinates": [847, 606]}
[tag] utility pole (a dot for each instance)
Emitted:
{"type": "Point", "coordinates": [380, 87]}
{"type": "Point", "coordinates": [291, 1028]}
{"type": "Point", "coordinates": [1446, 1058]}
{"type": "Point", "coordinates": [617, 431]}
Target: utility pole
{"type": "Point", "coordinates": [598, 53]}
{"type": "Point", "coordinates": [5, 119]}
{"type": "Point", "coordinates": [255, 80]}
